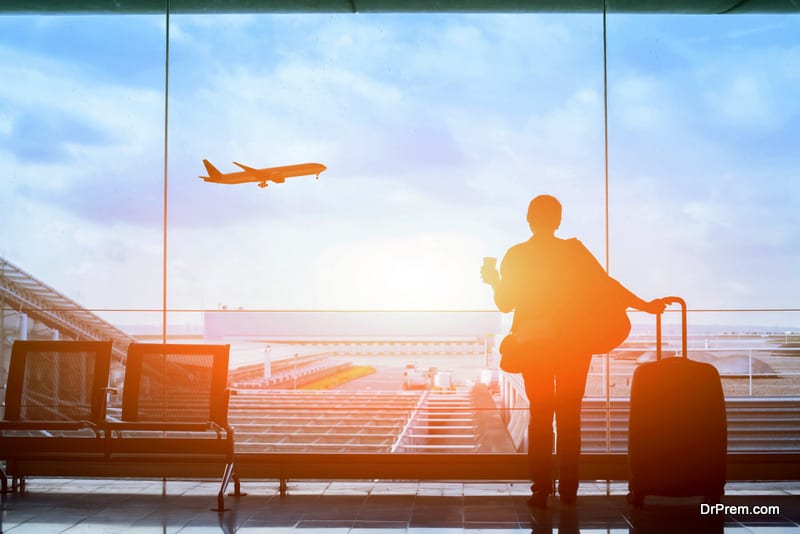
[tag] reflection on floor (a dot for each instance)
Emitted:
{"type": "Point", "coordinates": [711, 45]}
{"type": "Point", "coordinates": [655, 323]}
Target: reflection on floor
{"type": "Point", "coordinates": [75, 506]}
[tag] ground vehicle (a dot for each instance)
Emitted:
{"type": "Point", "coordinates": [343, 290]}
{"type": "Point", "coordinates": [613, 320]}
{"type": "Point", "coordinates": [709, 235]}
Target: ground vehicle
{"type": "Point", "coordinates": [444, 381]}
{"type": "Point", "coordinates": [414, 377]}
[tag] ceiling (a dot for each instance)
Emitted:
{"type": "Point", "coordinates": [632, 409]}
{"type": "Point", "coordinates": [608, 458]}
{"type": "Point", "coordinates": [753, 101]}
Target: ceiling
{"type": "Point", "coordinates": [399, 6]}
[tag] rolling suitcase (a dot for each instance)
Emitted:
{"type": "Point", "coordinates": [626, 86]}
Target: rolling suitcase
{"type": "Point", "coordinates": [677, 435]}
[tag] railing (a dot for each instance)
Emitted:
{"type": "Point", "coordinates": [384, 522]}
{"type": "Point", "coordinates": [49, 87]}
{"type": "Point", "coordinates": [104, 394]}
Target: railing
{"type": "Point", "coordinates": [754, 365]}
{"type": "Point", "coordinates": [515, 409]}
{"type": "Point", "coordinates": [287, 373]}
{"type": "Point", "coordinates": [764, 423]}
{"type": "Point", "coordinates": [755, 424]}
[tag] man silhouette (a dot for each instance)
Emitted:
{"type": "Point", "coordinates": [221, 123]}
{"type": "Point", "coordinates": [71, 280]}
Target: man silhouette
{"type": "Point", "coordinates": [545, 281]}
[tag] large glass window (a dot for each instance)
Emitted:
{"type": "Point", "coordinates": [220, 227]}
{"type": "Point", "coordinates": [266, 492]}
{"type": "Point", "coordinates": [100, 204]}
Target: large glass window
{"type": "Point", "coordinates": [436, 130]}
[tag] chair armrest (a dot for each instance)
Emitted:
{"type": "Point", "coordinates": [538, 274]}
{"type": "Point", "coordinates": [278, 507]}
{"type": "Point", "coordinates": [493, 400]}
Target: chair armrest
{"type": "Point", "coordinates": [219, 429]}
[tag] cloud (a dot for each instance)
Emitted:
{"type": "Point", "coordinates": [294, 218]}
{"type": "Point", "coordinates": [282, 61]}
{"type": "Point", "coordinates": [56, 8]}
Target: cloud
{"type": "Point", "coordinates": [80, 144]}
{"type": "Point", "coordinates": [99, 266]}
{"type": "Point", "coordinates": [744, 101]}
{"type": "Point", "coordinates": [702, 241]}
{"type": "Point", "coordinates": [643, 103]}
{"type": "Point", "coordinates": [51, 137]}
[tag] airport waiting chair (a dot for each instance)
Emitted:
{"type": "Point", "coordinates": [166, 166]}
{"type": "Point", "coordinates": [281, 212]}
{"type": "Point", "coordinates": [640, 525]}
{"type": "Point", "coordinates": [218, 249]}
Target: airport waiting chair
{"type": "Point", "coordinates": [55, 407]}
{"type": "Point", "coordinates": [174, 412]}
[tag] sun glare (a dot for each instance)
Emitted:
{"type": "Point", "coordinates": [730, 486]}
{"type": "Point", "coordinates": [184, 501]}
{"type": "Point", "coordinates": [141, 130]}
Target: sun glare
{"type": "Point", "coordinates": [421, 272]}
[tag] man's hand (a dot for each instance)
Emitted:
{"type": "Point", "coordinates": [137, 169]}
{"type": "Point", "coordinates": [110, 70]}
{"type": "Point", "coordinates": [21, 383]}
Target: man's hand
{"type": "Point", "coordinates": [490, 275]}
{"type": "Point", "coordinates": [655, 306]}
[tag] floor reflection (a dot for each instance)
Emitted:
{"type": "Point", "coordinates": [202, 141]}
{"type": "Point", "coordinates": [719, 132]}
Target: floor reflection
{"type": "Point", "coordinates": [59, 505]}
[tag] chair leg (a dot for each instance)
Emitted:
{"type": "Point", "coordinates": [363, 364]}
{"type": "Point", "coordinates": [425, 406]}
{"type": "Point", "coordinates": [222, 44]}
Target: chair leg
{"type": "Point", "coordinates": [237, 486]}
{"type": "Point", "coordinates": [226, 478]}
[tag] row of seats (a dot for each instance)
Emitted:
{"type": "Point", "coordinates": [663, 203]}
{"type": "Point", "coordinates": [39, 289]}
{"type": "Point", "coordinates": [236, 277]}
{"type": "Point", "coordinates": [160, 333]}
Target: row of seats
{"type": "Point", "coordinates": [174, 411]}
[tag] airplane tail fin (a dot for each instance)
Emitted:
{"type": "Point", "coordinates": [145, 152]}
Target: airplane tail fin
{"type": "Point", "coordinates": [212, 171]}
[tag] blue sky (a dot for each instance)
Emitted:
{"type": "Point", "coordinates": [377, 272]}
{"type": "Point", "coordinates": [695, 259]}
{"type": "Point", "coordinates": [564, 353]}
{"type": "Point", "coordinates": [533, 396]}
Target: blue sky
{"type": "Point", "coordinates": [436, 130]}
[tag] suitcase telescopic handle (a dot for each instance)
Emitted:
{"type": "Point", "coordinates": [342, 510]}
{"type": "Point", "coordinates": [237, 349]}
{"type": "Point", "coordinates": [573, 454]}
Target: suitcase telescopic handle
{"type": "Point", "coordinates": [684, 337]}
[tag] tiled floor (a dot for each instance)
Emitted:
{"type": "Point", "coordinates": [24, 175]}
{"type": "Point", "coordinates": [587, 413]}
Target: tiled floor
{"type": "Point", "coordinates": [104, 506]}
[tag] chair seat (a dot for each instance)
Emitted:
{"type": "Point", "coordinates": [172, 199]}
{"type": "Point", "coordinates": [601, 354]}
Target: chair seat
{"type": "Point", "coordinates": [49, 425]}
{"type": "Point", "coordinates": [166, 426]}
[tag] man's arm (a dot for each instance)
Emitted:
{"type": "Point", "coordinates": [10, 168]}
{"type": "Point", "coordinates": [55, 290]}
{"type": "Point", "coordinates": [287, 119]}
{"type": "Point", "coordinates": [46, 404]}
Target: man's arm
{"type": "Point", "coordinates": [654, 306]}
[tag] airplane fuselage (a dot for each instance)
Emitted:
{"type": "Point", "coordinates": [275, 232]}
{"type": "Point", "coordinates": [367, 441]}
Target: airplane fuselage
{"type": "Point", "coordinates": [262, 176]}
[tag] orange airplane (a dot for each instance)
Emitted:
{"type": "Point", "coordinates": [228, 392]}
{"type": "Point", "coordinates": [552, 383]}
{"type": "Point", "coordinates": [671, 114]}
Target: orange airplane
{"type": "Point", "coordinates": [261, 176]}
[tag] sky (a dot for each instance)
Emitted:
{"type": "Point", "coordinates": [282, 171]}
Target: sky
{"type": "Point", "coordinates": [437, 130]}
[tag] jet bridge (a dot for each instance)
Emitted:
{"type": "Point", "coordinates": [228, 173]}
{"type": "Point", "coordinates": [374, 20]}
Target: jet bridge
{"type": "Point", "coordinates": [33, 310]}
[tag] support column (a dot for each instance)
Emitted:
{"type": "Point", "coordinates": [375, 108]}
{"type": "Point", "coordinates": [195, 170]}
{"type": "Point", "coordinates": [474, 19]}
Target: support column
{"type": "Point", "coordinates": [23, 327]}
{"type": "Point", "coordinates": [5, 348]}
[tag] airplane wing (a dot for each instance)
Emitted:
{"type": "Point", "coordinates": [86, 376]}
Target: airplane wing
{"type": "Point", "coordinates": [245, 167]}
{"type": "Point", "coordinates": [272, 174]}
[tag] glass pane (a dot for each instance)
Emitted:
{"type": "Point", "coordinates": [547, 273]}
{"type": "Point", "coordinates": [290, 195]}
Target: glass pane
{"type": "Point", "coordinates": [436, 131]}
{"type": "Point", "coordinates": [704, 195]}
{"type": "Point", "coordinates": [82, 129]}
{"type": "Point", "coordinates": [704, 203]}
{"type": "Point", "coordinates": [702, 117]}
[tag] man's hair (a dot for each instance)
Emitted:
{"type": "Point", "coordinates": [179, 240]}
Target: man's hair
{"type": "Point", "coordinates": [544, 212]}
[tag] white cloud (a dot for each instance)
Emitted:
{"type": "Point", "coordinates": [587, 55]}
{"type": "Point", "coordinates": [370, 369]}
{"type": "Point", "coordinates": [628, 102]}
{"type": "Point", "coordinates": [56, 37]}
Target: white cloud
{"type": "Point", "coordinates": [789, 62]}
{"type": "Point", "coordinates": [643, 103]}
{"type": "Point", "coordinates": [83, 133]}
{"type": "Point", "coordinates": [99, 266]}
{"type": "Point", "coordinates": [744, 101]}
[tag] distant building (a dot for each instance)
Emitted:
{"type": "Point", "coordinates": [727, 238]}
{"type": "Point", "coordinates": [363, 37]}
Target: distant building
{"type": "Point", "coordinates": [467, 330]}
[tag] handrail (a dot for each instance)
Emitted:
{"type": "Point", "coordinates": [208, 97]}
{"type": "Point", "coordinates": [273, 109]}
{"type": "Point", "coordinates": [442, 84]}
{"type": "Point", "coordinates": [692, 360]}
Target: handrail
{"type": "Point", "coordinates": [410, 421]}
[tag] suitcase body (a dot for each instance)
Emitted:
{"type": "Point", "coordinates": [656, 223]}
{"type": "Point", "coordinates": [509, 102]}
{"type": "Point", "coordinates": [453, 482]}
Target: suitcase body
{"type": "Point", "coordinates": [677, 435]}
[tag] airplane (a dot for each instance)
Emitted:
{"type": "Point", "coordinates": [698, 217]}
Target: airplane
{"type": "Point", "coordinates": [261, 176]}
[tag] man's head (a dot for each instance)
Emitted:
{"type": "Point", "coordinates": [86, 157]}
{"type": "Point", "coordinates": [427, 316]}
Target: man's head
{"type": "Point", "coordinates": [544, 214]}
